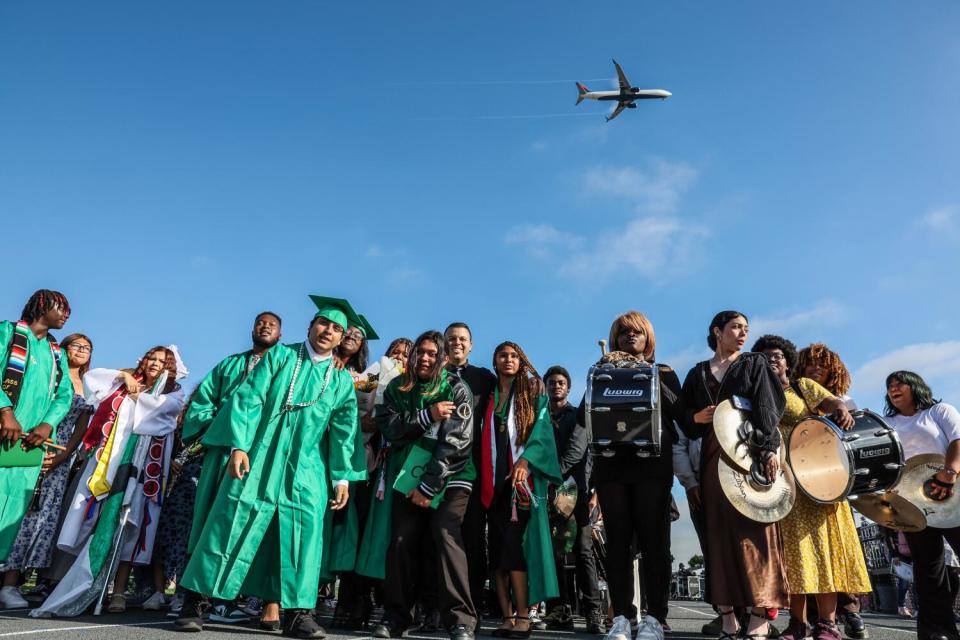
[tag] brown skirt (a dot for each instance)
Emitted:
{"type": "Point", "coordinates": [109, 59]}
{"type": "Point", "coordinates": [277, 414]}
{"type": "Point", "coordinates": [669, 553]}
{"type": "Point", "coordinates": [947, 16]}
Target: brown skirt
{"type": "Point", "coordinates": [744, 558]}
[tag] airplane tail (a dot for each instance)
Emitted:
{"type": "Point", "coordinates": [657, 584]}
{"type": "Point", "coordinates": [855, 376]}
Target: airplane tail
{"type": "Point", "coordinates": [583, 90]}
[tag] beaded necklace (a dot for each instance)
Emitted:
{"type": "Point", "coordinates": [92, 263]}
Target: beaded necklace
{"type": "Point", "coordinates": [290, 405]}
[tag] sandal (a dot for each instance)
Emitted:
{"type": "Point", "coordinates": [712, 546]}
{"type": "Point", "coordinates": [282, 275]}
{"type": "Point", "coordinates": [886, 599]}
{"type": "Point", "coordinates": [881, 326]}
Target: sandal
{"type": "Point", "coordinates": [513, 633]}
{"type": "Point", "coordinates": [723, 635]}
{"type": "Point", "coordinates": [757, 636]}
{"type": "Point", "coordinates": [118, 603]}
{"type": "Point", "coordinates": [501, 631]}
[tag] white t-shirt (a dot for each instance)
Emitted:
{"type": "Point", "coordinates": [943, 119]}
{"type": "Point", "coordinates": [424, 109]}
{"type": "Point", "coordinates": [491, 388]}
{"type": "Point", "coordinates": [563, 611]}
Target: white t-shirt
{"type": "Point", "coordinates": [928, 431]}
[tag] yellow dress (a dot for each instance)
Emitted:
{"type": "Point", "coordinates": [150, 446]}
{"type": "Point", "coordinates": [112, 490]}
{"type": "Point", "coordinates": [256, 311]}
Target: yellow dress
{"type": "Point", "coordinates": [821, 549]}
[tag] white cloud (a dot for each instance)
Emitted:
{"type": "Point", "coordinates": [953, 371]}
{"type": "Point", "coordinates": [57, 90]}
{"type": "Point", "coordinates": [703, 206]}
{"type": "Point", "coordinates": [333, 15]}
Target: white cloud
{"type": "Point", "coordinates": [653, 239]}
{"type": "Point", "coordinates": [656, 190]}
{"type": "Point", "coordinates": [644, 247]}
{"type": "Point", "coordinates": [374, 251]}
{"type": "Point", "coordinates": [941, 220]}
{"type": "Point", "coordinates": [937, 362]}
{"type": "Point", "coordinates": [405, 276]}
{"type": "Point", "coordinates": [824, 313]}
{"type": "Point", "coordinates": [682, 361]}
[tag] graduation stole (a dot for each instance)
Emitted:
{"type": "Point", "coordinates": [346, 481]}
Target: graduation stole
{"type": "Point", "coordinates": [488, 451]}
{"type": "Point", "coordinates": [17, 363]}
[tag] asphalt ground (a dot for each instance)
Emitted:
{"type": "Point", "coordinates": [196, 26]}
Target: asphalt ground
{"type": "Point", "coordinates": [686, 618]}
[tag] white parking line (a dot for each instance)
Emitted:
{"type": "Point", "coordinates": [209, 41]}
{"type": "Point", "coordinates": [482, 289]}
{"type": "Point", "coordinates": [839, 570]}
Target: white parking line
{"type": "Point", "coordinates": [88, 626]}
{"type": "Point", "coordinates": [871, 624]}
{"type": "Point", "coordinates": [699, 613]}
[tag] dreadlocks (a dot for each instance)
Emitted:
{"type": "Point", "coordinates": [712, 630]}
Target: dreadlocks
{"type": "Point", "coordinates": [838, 378]}
{"type": "Point", "coordinates": [41, 302]}
{"type": "Point", "coordinates": [526, 387]}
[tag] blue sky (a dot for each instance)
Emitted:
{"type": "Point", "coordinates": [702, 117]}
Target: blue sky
{"type": "Point", "coordinates": [177, 167]}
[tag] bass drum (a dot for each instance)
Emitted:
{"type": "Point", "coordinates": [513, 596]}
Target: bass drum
{"type": "Point", "coordinates": [831, 465]}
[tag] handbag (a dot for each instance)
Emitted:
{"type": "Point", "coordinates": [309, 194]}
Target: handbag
{"type": "Point", "coordinates": [565, 498]}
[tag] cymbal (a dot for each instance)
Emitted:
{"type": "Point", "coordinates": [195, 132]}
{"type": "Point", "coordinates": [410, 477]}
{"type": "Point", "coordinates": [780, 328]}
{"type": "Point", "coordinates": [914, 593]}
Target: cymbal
{"type": "Point", "coordinates": [891, 511]}
{"type": "Point", "coordinates": [763, 504]}
{"type": "Point", "coordinates": [727, 426]}
{"type": "Point", "coordinates": [944, 514]}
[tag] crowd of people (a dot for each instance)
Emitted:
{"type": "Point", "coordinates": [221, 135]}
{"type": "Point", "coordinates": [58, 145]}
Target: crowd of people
{"type": "Point", "coordinates": [425, 484]}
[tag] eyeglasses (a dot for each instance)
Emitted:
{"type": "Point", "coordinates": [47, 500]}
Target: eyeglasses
{"type": "Point", "coordinates": [356, 335]}
{"type": "Point", "coordinates": [82, 348]}
{"type": "Point", "coordinates": [775, 357]}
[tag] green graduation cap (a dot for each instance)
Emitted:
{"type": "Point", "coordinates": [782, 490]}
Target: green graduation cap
{"type": "Point", "coordinates": [336, 310]}
{"type": "Point", "coordinates": [368, 331]}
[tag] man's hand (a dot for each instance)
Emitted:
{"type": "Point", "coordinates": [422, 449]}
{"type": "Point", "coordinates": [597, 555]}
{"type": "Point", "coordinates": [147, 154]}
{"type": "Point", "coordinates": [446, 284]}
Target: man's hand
{"type": "Point", "coordinates": [694, 499]}
{"type": "Point", "coordinates": [419, 499]}
{"type": "Point", "coordinates": [441, 410]}
{"type": "Point", "coordinates": [10, 429]}
{"type": "Point", "coordinates": [238, 465]}
{"type": "Point", "coordinates": [341, 494]}
{"type": "Point", "coordinates": [47, 462]}
{"type": "Point", "coordinates": [38, 435]}
{"type": "Point", "coordinates": [521, 471]}
{"type": "Point", "coordinates": [705, 415]}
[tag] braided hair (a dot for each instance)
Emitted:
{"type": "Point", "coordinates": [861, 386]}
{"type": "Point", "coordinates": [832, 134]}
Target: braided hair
{"type": "Point", "coordinates": [42, 301]}
{"type": "Point", "coordinates": [527, 385]}
{"type": "Point", "coordinates": [837, 381]}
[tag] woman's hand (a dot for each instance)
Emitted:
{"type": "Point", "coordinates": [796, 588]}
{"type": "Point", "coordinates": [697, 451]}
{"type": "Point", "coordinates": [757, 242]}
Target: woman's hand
{"type": "Point", "coordinates": [441, 410]}
{"type": "Point", "coordinates": [418, 498]}
{"type": "Point", "coordinates": [238, 465]}
{"type": "Point", "coordinates": [367, 423]}
{"type": "Point", "coordinates": [938, 492]}
{"type": "Point", "coordinates": [705, 415]}
{"type": "Point", "coordinates": [771, 466]}
{"type": "Point", "coordinates": [521, 471]}
{"type": "Point", "coordinates": [51, 462]}
{"type": "Point", "coordinates": [10, 429]}
{"type": "Point", "coordinates": [844, 420]}
{"type": "Point", "coordinates": [131, 383]}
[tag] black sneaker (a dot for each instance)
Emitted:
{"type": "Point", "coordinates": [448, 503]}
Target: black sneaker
{"type": "Point", "coordinates": [386, 629]}
{"type": "Point", "coordinates": [431, 622]}
{"type": "Point", "coordinates": [853, 626]}
{"type": "Point", "coordinates": [300, 623]}
{"type": "Point", "coordinates": [192, 613]}
{"type": "Point", "coordinates": [594, 622]}
{"type": "Point", "coordinates": [461, 632]}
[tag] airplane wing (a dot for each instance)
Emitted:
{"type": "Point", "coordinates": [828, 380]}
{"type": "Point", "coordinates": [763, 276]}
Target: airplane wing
{"type": "Point", "coordinates": [616, 112]}
{"type": "Point", "coordinates": [624, 83]}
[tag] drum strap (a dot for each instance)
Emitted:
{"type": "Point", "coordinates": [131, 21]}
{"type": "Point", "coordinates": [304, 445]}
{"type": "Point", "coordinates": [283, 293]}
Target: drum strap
{"type": "Point", "coordinates": [795, 385]}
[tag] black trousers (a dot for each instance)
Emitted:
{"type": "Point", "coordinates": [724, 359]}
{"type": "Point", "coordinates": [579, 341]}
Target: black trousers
{"type": "Point", "coordinates": [405, 572]}
{"type": "Point", "coordinates": [638, 511]}
{"type": "Point", "coordinates": [475, 544]}
{"type": "Point", "coordinates": [353, 597]}
{"type": "Point", "coordinates": [935, 593]}
{"type": "Point", "coordinates": [586, 564]}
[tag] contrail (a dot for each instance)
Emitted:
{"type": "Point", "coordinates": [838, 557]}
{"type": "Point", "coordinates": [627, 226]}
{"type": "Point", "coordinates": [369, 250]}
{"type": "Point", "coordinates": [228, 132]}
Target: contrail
{"type": "Point", "coordinates": [443, 83]}
{"type": "Point", "coordinates": [512, 117]}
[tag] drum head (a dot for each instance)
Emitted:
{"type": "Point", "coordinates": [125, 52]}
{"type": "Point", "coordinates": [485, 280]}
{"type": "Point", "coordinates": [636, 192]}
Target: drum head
{"type": "Point", "coordinates": [819, 460]}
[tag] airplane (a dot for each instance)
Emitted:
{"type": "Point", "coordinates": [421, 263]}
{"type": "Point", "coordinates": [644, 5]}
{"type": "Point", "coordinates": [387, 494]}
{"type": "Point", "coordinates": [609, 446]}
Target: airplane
{"type": "Point", "coordinates": [625, 96]}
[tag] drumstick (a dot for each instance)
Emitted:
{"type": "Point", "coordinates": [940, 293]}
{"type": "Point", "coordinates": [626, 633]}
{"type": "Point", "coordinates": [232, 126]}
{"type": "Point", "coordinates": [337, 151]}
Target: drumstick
{"type": "Point", "coordinates": [48, 443]}
{"type": "Point", "coordinates": [603, 347]}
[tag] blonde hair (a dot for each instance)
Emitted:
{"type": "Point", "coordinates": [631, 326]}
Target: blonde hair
{"type": "Point", "coordinates": [638, 322]}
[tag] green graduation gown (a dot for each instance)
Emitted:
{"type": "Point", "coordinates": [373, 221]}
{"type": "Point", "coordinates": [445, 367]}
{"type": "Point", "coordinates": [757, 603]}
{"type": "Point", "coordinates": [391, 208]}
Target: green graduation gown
{"type": "Point", "coordinates": [37, 404]}
{"type": "Point", "coordinates": [264, 534]}
{"type": "Point", "coordinates": [540, 452]}
{"type": "Point", "coordinates": [213, 392]}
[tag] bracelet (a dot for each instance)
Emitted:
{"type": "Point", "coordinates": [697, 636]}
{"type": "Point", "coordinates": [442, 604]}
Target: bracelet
{"type": "Point", "coordinates": [949, 472]}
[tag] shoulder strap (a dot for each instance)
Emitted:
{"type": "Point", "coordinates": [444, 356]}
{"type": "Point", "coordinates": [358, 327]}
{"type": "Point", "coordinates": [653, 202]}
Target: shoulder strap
{"type": "Point", "coordinates": [795, 385]}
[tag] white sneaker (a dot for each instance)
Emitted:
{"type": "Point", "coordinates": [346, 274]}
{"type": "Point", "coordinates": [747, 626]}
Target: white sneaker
{"type": "Point", "coordinates": [154, 602]}
{"type": "Point", "coordinates": [650, 629]}
{"type": "Point", "coordinates": [11, 598]}
{"type": "Point", "coordinates": [225, 614]}
{"type": "Point", "coordinates": [176, 605]}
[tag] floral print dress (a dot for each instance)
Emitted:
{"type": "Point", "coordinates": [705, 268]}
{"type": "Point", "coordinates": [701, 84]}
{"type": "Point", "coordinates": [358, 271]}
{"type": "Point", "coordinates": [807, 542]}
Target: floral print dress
{"type": "Point", "coordinates": [33, 547]}
{"type": "Point", "coordinates": [821, 548]}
